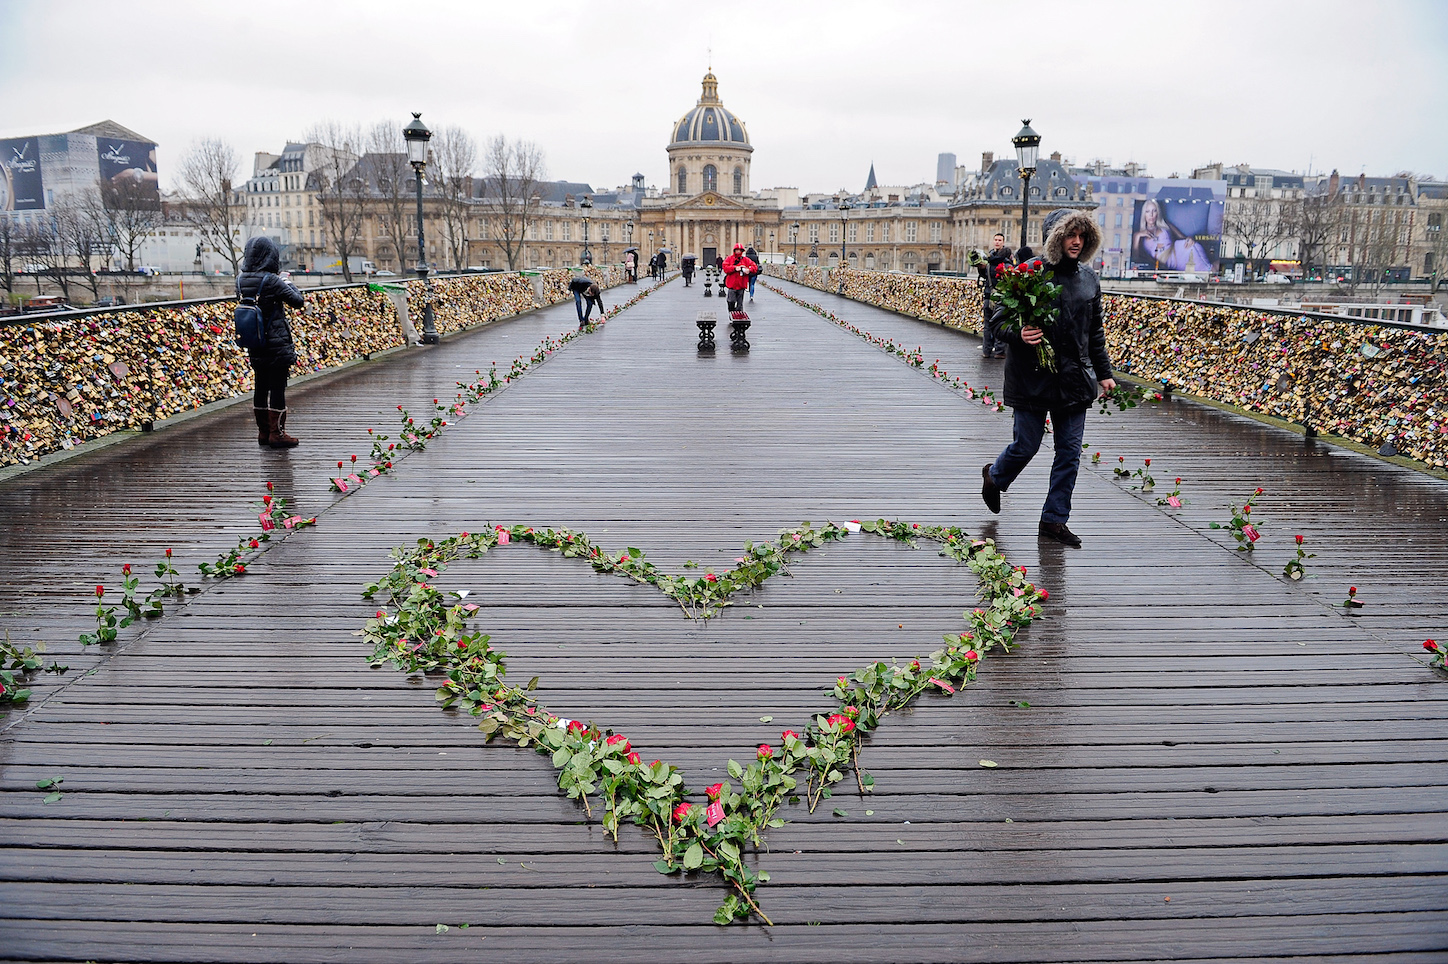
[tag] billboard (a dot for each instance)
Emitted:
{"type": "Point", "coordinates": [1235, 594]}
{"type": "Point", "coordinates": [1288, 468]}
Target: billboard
{"type": "Point", "coordinates": [135, 161]}
{"type": "Point", "coordinates": [20, 184]}
{"type": "Point", "coordinates": [1176, 228]}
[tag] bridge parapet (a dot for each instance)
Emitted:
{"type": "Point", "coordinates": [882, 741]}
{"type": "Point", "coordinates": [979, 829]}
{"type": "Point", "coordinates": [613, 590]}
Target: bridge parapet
{"type": "Point", "coordinates": [1385, 386]}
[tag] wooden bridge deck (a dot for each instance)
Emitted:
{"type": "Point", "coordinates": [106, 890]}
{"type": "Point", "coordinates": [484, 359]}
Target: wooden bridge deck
{"type": "Point", "coordinates": [1213, 763]}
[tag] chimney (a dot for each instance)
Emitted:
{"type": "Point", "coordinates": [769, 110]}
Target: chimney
{"type": "Point", "coordinates": [987, 158]}
{"type": "Point", "coordinates": [1056, 156]}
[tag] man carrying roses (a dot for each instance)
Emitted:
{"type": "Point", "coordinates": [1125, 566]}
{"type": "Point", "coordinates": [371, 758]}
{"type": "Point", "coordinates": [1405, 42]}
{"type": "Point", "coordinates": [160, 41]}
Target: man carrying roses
{"type": "Point", "coordinates": [1082, 373]}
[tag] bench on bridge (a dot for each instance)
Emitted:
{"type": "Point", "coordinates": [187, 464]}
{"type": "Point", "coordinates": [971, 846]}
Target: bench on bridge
{"type": "Point", "coordinates": [738, 326]}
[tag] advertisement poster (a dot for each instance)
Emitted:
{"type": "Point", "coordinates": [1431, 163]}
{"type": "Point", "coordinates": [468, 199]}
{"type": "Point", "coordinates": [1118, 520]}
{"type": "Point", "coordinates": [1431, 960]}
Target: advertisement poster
{"type": "Point", "coordinates": [1175, 231]}
{"type": "Point", "coordinates": [129, 160]}
{"type": "Point", "coordinates": [20, 184]}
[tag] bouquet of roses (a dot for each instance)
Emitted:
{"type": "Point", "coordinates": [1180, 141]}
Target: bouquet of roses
{"type": "Point", "coordinates": [1026, 298]}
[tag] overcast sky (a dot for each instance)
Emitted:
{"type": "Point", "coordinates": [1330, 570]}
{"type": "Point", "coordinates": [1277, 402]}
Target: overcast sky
{"type": "Point", "coordinates": [825, 88]}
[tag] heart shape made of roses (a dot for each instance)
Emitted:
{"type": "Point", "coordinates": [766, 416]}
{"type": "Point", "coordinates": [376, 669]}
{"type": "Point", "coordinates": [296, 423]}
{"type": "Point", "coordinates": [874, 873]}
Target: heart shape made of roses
{"type": "Point", "coordinates": [425, 631]}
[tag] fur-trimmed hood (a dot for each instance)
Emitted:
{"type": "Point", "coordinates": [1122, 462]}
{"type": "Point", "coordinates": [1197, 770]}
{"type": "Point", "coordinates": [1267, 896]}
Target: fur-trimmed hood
{"type": "Point", "coordinates": [1063, 221]}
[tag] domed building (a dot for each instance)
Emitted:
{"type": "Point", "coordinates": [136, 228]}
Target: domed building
{"type": "Point", "coordinates": [708, 207]}
{"type": "Point", "coordinates": [709, 149]}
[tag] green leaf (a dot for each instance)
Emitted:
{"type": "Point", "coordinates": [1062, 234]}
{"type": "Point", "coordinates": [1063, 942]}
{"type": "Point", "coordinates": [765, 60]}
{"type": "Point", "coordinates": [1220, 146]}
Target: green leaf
{"type": "Point", "coordinates": [735, 770]}
{"type": "Point", "coordinates": [988, 763]}
{"type": "Point", "coordinates": [693, 857]}
{"type": "Point", "coordinates": [51, 797]}
{"type": "Point", "coordinates": [662, 866]}
{"type": "Point", "coordinates": [442, 928]}
{"type": "Point", "coordinates": [766, 719]}
{"type": "Point", "coordinates": [841, 813]}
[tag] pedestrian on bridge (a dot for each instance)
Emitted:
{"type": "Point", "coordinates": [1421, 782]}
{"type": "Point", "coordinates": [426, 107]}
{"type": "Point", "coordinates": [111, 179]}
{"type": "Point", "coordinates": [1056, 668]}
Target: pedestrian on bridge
{"type": "Point", "coordinates": [270, 363]}
{"type": "Point", "coordinates": [586, 294]}
{"type": "Point", "coordinates": [1083, 374]}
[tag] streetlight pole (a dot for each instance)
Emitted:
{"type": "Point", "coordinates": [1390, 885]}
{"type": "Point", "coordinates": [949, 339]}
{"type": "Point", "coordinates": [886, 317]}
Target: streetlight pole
{"type": "Point", "coordinates": [1028, 145]}
{"type": "Point", "coordinates": [794, 236]}
{"type": "Point", "coordinates": [844, 222]}
{"type": "Point", "coordinates": [417, 135]}
{"type": "Point", "coordinates": [586, 205]}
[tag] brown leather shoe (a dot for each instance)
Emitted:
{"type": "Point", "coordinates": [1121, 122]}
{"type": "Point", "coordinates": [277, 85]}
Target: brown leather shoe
{"type": "Point", "coordinates": [277, 434]}
{"type": "Point", "coordinates": [263, 429]}
{"type": "Point", "coordinates": [1061, 534]}
{"type": "Point", "coordinates": [989, 491]}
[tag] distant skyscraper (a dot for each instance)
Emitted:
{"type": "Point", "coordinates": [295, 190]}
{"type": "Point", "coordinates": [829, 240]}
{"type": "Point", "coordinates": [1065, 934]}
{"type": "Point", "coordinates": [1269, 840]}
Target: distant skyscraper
{"type": "Point", "coordinates": [945, 170]}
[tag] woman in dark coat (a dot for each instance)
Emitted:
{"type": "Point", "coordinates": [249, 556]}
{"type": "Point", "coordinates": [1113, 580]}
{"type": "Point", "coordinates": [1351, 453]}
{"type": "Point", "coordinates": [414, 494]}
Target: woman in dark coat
{"type": "Point", "coordinates": [270, 362]}
{"type": "Point", "coordinates": [1083, 374]}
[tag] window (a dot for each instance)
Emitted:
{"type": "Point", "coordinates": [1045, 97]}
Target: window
{"type": "Point", "coordinates": [1118, 220]}
{"type": "Point", "coordinates": [870, 237]}
{"type": "Point", "coordinates": [1435, 223]}
{"type": "Point", "coordinates": [548, 231]}
{"type": "Point", "coordinates": [567, 231]}
{"type": "Point", "coordinates": [854, 234]}
{"type": "Point", "coordinates": [1101, 218]}
{"type": "Point", "coordinates": [711, 177]}
{"type": "Point", "coordinates": [814, 233]}
{"type": "Point", "coordinates": [739, 180]}
{"type": "Point", "coordinates": [935, 232]}
{"type": "Point", "coordinates": [1116, 240]}
{"type": "Point", "coordinates": [683, 181]}
{"type": "Point", "coordinates": [885, 232]}
{"type": "Point", "coordinates": [834, 232]}
{"type": "Point", "coordinates": [1428, 261]}
{"type": "Point", "coordinates": [910, 228]}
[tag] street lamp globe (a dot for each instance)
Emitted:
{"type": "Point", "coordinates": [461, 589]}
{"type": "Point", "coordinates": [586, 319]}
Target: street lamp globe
{"type": "Point", "coordinates": [1028, 146]}
{"type": "Point", "coordinates": [417, 136]}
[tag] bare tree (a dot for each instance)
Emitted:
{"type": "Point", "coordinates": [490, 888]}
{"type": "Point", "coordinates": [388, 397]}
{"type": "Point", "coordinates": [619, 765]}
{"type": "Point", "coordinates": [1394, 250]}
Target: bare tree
{"type": "Point", "coordinates": [132, 210]}
{"type": "Point", "coordinates": [1437, 246]}
{"type": "Point", "coordinates": [513, 170]}
{"type": "Point", "coordinates": [454, 158]}
{"type": "Point", "coordinates": [1317, 218]}
{"type": "Point", "coordinates": [208, 171]}
{"type": "Point", "coordinates": [1375, 248]}
{"type": "Point", "coordinates": [44, 257]}
{"type": "Point", "coordinates": [9, 236]}
{"type": "Point", "coordinates": [341, 189]}
{"type": "Point", "coordinates": [1256, 224]}
{"type": "Point", "coordinates": [81, 233]}
{"type": "Point", "coordinates": [392, 176]}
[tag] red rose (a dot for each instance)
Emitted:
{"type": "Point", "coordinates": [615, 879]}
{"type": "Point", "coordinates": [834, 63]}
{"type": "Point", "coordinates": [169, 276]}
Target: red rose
{"type": "Point", "coordinates": [1148, 461]}
{"type": "Point", "coordinates": [787, 734]}
{"type": "Point", "coordinates": [616, 739]}
{"type": "Point", "coordinates": [253, 544]}
{"type": "Point", "coordinates": [714, 791]}
{"type": "Point", "coordinates": [633, 758]}
{"type": "Point", "coordinates": [577, 726]}
{"type": "Point", "coordinates": [972, 655]}
{"type": "Point", "coordinates": [681, 812]}
{"type": "Point", "coordinates": [1352, 590]}
{"type": "Point", "coordinates": [269, 485]}
{"type": "Point", "coordinates": [1430, 645]}
{"type": "Point", "coordinates": [100, 591]}
{"type": "Point", "coordinates": [852, 713]}
{"type": "Point", "coordinates": [126, 569]}
{"type": "Point", "coordinates": [168, 553]}
{"type": "Point", "coordinates": [1299, 540]}
{"type": "Point", "coordinates": [843, 722]}
{"type": "Point", "coordinates": [766, 751]}
{"type": "Point", "coordinates": [1260, 491]}
{"type": "Point", "coordinates": [711, 578]}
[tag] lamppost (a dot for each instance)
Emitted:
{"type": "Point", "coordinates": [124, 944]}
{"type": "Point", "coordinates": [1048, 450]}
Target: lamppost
{"type": "Point", "coordinates": [536, 201]}
{"type": "Point", "coordinates": [417, 135]}
{"type": "Point", "coordinates": [844, 216]}
{"type": "Point", "coordinates": [794, 236]}
{"type": "Point", "coordinates": [771, 242]}
{"type": "Point", "coordinates": [1028, 145]}
{"type": "Point", "coordinates": [586, 205]}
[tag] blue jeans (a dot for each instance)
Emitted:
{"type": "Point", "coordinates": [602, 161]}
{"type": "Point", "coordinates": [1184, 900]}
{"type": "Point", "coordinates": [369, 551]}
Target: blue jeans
{"type": "Point", "coordinates": [578, 303]}
{"type": "Point", "coordinates": [751, 285]}
{"type": "Point", "coordinates": [1069, 425]}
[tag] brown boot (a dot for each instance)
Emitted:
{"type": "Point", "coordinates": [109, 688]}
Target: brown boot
{"type": "Point", "coordinates": [277, 436]}
{"type": "Point", "coordinates": [263, 428]}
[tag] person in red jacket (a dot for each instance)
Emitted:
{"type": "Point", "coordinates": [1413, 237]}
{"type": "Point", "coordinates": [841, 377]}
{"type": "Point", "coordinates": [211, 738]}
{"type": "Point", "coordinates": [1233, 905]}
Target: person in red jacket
{"type": "Point", "coordinates": [738, 269]}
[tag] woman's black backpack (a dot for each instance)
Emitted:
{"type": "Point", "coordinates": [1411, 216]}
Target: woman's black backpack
{"type": "Point", "coordinates": [250, 329]}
